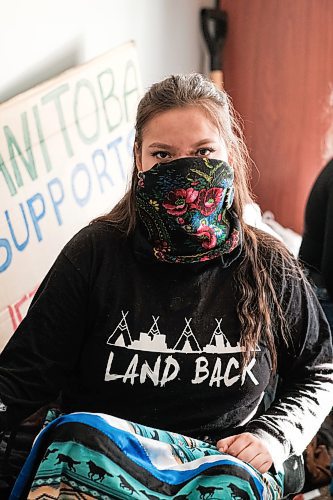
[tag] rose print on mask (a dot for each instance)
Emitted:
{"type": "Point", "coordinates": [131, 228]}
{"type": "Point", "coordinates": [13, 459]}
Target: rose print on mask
{"type": "Point", "coordinates": [208, 235]}
{"type": "Point", "coordinates": [179, 200]}
{"type": "Point", "coordinates": [185, 213]}
{"type": "Point", "coordinates": [208, 200]}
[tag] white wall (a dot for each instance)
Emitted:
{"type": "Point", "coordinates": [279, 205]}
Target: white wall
{"type": "Point", "coordinates": [41, 38]}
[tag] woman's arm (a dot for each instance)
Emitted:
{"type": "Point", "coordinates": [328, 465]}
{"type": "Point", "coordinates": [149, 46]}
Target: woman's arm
{"type": "Point", "coordinates": [306, 370]}
{"type": "Point", "coordinates": [45, 347]}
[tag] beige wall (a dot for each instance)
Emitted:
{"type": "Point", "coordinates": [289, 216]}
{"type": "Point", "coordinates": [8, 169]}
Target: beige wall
{"type": "Point", "coordinates": [41, 38]}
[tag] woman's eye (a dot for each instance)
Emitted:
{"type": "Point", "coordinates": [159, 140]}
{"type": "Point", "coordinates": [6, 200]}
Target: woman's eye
{"type": "Point", "coordinates": [161, 155]}
{"type": "Point", "coordinates": [204, 151]}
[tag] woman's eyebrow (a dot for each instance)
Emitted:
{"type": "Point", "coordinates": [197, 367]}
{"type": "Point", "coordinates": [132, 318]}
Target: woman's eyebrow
{"type": "Point", "coordinates": [166, 146]}
{"type": "Point", "coordinates": [159, 145]}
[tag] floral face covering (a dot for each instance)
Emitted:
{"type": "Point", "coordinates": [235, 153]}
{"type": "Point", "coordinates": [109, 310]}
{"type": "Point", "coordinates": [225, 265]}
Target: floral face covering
{"type": "Point", "coordinates": [184, 206]}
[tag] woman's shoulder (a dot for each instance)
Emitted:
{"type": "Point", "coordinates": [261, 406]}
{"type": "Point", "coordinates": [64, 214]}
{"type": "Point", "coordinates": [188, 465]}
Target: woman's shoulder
{"type": "Point", "coordinates": [95, 240]}
{"type": "Point", "coordinates": [97, 231]}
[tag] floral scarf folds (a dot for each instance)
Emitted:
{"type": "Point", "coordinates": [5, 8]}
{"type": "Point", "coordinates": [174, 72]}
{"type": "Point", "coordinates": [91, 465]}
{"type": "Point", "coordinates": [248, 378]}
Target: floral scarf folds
{"type": "Point", "coordinates": [184, 206]}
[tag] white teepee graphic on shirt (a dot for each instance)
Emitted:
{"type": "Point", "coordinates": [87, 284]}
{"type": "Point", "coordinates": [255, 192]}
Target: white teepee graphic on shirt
{"type": "Point", "coordinates": [121, 334]}
{"type": "Point", "coordinates": [152, 340]}
{"type": "Point", "coordinates": [154, 329]}
{"type": "Point", "coordinates": [219, 342]}
{"type": "Point", "coordinates": [187, 341]}
{"type": "Point", "coordinates": [218, 337]}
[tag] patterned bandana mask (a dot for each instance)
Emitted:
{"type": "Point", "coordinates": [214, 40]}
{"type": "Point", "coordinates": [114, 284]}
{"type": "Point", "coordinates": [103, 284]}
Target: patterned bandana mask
{"type": "Point", "coordinates": [184, 206]}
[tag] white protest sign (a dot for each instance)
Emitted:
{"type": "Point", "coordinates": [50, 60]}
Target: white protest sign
{"type": "Point", "coordinates": [65, 152]}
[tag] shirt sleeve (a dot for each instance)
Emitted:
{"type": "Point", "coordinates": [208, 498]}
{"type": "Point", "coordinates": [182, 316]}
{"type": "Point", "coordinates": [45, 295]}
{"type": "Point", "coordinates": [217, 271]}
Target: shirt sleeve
{"type": "Point", "coordinates": [45, 348]}
{"type": "Point", "coordinates": [305, 369]}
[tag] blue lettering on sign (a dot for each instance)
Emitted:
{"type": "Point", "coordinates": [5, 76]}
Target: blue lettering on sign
{"type": "Point", "coordinates": [84, 182]}
{"type": "Point", "coordinates": [53, 186]}
{"type": "Point", "coordinates": [36, 201]}
{"type": "Point", "coordinates": [80, 171]}
{"type": "Point", "coordinates": [5, 245]}
{"type": "Point", "coordinates": [100, 165]}
{"type": "Point", "coordinates": [19, 246]}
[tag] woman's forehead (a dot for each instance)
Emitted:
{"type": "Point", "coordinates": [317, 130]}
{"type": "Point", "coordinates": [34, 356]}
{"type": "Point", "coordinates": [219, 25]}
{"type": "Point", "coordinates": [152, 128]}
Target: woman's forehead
{"type": "Point", "coordinates": [188, 121]}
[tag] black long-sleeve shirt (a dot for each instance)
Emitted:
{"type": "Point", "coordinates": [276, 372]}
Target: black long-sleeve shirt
{"type": "Point", "coordinates": [316, 250]}
{"type": "Point", "coordinates": [158, 344]}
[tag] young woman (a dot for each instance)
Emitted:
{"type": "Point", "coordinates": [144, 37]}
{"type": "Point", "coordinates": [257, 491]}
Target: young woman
{"type": "Point", "coordinates": [171, 313]}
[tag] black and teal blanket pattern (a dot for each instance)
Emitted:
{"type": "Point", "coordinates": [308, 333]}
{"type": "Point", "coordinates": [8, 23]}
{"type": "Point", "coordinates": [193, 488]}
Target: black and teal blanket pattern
{"type": "Point", "coordinates": [96, 456]}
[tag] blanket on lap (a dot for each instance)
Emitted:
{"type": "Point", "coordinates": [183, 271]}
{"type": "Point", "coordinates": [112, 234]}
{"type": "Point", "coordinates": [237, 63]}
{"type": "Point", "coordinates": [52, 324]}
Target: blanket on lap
{"type": "Point", "coordinates": [89, 456]}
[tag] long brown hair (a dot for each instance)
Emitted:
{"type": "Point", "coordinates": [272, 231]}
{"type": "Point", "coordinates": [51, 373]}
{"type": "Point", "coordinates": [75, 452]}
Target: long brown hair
{"type": "Point", "coordinates": [259, 305]}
